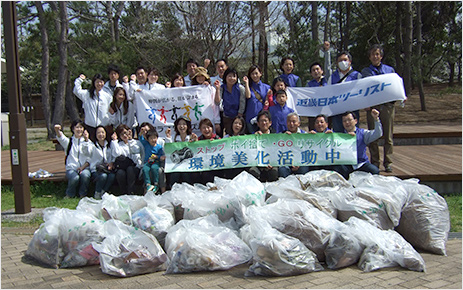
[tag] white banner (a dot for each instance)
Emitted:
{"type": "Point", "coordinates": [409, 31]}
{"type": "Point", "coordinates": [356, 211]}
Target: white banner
{"type": "Point", "coordinates": [348, 96]}
{"type": "Point", "coordinates": [162, 107]}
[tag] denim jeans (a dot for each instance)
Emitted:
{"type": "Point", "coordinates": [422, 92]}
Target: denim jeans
{"type": "Point", "coordinates": [103, 181]}
{"type": "Point", "coordinates": [77, 181]}
{"type": "Point", "coordinates": [127, 178]}
{"type": "Point", "coordinates": [151, 173]}
{"type": "Point", "coordinates": [285, 171]}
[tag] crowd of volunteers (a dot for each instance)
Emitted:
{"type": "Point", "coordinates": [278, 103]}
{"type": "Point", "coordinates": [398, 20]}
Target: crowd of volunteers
{"type": "Point", "coordinates": [109, 145]}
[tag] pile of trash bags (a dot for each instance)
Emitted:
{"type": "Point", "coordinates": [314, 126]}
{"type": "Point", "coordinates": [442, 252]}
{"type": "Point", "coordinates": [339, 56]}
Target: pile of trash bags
{"type": "Point", "coordinates": [296, 225]}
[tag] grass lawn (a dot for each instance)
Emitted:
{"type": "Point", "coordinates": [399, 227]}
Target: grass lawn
{"type": "Point", "coordinates": [46, 194]}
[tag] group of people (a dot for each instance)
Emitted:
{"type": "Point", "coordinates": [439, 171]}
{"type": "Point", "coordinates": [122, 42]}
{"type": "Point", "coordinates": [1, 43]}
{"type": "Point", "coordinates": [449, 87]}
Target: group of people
{"type": "Point", "coordinates": [110, 145]}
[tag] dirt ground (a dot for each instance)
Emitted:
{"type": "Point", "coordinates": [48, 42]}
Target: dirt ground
{"type": "Point", "coordinates": [443, 106]}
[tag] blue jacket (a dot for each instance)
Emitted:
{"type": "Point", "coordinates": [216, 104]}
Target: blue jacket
{"type": "Point", "coordinates": [253, 105]}
{"type": "Point", "coordinates": [279, 115]}
{"type": "Point", "coordinates": [149, 150]}
{"type": "Point", "coordinates": [314, 83]}
{"type": "Point", "coordinates": [374, 71]}
{"type": "Point", "coordinates": [335, 77]}
{"type": "Point", "coordinates": [231, 101]}
{"type": "Point", "coordinates": [290, 79]}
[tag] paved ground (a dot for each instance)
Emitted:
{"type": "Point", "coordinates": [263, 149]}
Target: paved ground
{"type": "Point", "coordinates": [19, 272]}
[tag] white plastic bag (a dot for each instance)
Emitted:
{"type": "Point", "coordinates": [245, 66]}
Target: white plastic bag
{"type": "Point", "coordinates": [127, 251]}
{"type": "Point", "coordinates": [343, 249]}
{"type": "Point", "coordinates": [204, 244]}
{"type": "Point", "coordinates": [298, 219]}
{"type": "Point", "coordinates": [113, 207]}
{"type": "Point", "coordinates": [383, 248]}
{"type": "Point", "coordinates": [291, 187]}
{"type": "Point", "coordinates": [64, 239]}
{"type": "Point", "coordinates": [277, 254]}
{"type": "Point", "coordinates": [365, 203]}
{"type": "Point", "coordinates": [45, 245]}
{"type": "Point", "coordinates": [425, 220]}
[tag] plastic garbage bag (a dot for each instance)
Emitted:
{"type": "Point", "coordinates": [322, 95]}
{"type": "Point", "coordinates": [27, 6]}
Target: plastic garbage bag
{"type": "Point", "coordinates": [248, 189]}
{"type": "Point", "coordinates": [41, 173]}
{"type": "Point", "coordinates": [64, 239]}
{"type": "Point", "coordinates": [45, 245]}
{"type": "Point", "coordinates": [425, 220]}
{"type": "Point", "coordinates": [277, 254]}
{"type": "Point", "coordinates": [365, 203]}
{"type": "Point", "coordinates": [204, 244]}
{"type": "Point", "coordinates": [384, 248]}
{"type": "Point", "coordinates": [113, 207]}
{"type": "Point", "coordinates": [389, 188]}
{"type": "Point", "coordinates": [91, 206]}
{"type": "Point", "coordinates": [127, 251]}
{"type": "Point", "coordinates": [78, 231]}
{"type": "Point", "coordinates": [313, 180]}
{"type": "Point", "coordinates": [154, 220]}
{"type": "Point", "coordinates": [291, 187]}
{"type": "Point", "coordinates": [298, 219]}
{"type": "Point", "coordinates": [343, 248]}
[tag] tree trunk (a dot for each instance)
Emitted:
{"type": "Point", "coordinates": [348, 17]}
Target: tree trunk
{"type": "Point", "coordinates": [109, 16]}
{"type": "Point", "coordinates": [62, 23]}
{"type": "Point", "coordinates": [263, 43]}
{"type": "Point", "coordinates": [398, 38]}
{"type": "Point", "coordinates": [71, 106]}
{"type": "Point", "coordinates": [326, 34]}
{"type": "Point", "coordinates": [45, 73]}
{"type": "Point", "coordinates": [253, 34]}
{"type": "Point", "coordinates": [341, 32]}
{"type": "Point", "coordinates": [452, 74]}
{"type": "Point", "coordinates": [347, 26]}
{"type": "Point", "coordinates": [315, 21]}
{"type": "Point", "coordinates": [408, 37]}
{"type": "Point", "coordinates": [419, 40]}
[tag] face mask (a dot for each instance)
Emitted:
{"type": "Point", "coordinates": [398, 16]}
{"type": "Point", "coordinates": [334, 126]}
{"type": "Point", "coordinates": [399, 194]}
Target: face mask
{"type": "Point", "coordinates": [343, 65]}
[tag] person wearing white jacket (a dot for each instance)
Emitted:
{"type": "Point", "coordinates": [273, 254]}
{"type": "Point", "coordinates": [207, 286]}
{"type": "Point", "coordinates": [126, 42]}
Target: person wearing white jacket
{"type": "Point", "coordinates": [77, 171]}
{"type": "Point", "coordinates": [129, 154]}
{"type": "Point", "coordinates": [95, 102]}
{"type": "Point", "coordinates": [121, 111]}
{"type": "Point", "coordinates": [101, 161]}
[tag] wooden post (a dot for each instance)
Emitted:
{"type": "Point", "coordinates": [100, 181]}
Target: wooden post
{"type": "Point", "coordinates": [17, 121]}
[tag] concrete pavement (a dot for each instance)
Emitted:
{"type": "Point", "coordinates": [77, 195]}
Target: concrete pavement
{"type": "Point", "coordinates": [20, 272]}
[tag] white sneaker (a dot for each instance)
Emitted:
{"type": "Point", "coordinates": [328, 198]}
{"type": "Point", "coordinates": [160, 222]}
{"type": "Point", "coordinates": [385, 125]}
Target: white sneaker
{"type": "Point", "coordinates": [98, 195]}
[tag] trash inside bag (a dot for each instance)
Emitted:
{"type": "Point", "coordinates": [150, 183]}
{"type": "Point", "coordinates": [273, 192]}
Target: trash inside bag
{"type": "Point", "coordinates": [65, 239]}
{"type": "Point", "coordinates": [291, 187]}
{"type": "Point", "coordinates": [425, 219]}
{"type": "Point", "coordinates": [343, 249]}
{"type": "Point", "coordinates": [127, 251]}
{"type": "Point", "coordinates": [204, 244]}
{"type": "Point", "coordinates": [383, 248]}
{"type": "Point", "coordinates": [277, 254]}
{"type": "Point", "coordinates": [298, 219]}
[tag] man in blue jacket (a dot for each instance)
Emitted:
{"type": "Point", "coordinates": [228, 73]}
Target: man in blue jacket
{"type": "Point", "coordinates": [387, 110]}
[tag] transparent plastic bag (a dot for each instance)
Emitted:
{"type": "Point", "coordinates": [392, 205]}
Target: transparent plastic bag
{"type": "Point", "coordinates": [365, 203]}
{"type": "Point", "coordinates": [64, 239]}
{"type": "Point", "coordinates": [384, 248]}
{"type": "Point", "coordinates": [113, 207]}
{"type": "Point", "coordinates": [291, 187]}
{"type": "Point", "coordinates": [204, 244]}
{"type": "Point", "coordinates": [389, 188]}
{"type": "Point", "coordinates": [277, 254]}
{"type": "Point", "coordinates": [298, 219]}
{"type": "Point", "coordinates": [343, 249]}
{"type": "Point", "coordinates": [425, 220]}
{"type": "Point", "coordinates": [78, 231]}
{"type": "Point", "coordinates": [91, 205]}
{"type": "Point", "coordinates": [154, 220]}
{"type": "Point", "coordinates": [127, 251]}
{"type": "Point", "coordinates": [45, 246]}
